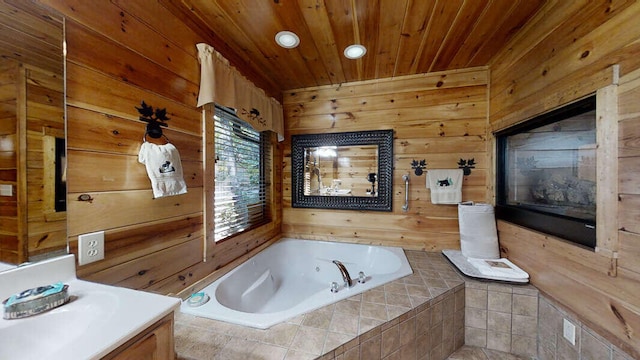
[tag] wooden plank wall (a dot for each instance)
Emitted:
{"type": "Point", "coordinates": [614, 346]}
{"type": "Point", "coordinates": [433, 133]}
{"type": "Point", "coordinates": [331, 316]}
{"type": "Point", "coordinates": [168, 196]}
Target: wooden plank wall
{"type": "Point", "coordinates": [32, 117]}
{"type": "Point", "coordinates": [119, 54]}
{"type": "Point", "coordinates": [564, 54]}
{"type": "Point", "coordinates": [32, 36]}
{"type": "Point", "coordinates": [11, 250]}
{"type": "Point", "coordinates": [438, 117]}
{"type": "Point", "coordinates": [46, 228]}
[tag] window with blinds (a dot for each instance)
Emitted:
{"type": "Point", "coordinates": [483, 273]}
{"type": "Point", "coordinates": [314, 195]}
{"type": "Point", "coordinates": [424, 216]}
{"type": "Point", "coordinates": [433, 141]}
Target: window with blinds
{"type": "Point", "coordinates": [241, 198]}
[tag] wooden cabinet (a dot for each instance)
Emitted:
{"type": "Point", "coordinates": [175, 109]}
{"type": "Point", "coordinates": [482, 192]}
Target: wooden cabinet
{"type": "Point", "coordinates": [154, 343]}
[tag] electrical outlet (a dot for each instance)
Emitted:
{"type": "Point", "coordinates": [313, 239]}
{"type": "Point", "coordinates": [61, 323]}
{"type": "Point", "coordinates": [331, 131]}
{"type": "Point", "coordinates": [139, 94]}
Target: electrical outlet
{"type": "Point", "coordinates": [90, 247]}
{"type": "Point", "coordinates": [569, 331]}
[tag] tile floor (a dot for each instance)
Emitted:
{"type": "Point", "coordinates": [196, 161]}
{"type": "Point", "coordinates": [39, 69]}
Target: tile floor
{"type": "Point", "coordinates": [475, 353]}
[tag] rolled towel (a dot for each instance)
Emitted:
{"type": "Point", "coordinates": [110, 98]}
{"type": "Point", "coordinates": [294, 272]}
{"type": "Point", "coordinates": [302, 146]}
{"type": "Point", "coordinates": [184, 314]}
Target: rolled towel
{"type": "Point", "coordinates": [478, 232]}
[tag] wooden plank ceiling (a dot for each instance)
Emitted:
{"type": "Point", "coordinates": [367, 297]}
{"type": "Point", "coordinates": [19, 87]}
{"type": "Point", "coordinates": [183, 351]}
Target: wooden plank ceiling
{"type": "Point", "coordinates": [402, 36]}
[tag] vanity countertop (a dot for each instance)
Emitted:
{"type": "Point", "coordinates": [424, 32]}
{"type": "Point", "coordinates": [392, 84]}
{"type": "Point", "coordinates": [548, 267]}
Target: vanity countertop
{"type": "Point", "coordinates": [97, 319]}
{"type": "Point", "coordinates": [5, 266]}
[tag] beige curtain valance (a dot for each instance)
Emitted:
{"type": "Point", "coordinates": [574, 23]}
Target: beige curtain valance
{"type": "Point", "coordinates": [223, 84]}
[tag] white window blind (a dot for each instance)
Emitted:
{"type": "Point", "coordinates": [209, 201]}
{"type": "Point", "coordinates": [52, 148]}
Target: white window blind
{"type": "Point", "coordinates": [241, 198]}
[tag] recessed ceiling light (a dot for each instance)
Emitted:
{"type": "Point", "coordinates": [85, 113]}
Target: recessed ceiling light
{"type": "Point", "coordinates": [355, 51]}
{"type": "Point", "coordinates": [287, 39]}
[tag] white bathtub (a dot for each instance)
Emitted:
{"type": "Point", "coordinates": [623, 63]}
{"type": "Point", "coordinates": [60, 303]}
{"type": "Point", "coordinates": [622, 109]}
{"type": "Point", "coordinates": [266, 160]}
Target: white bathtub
{"type": "Point", "coordinates": [292, 277]}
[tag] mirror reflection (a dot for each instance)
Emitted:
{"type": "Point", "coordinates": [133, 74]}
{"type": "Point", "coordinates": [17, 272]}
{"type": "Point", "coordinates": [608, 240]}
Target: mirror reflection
{"type": "Point", "coordinates": [32, 133]}
{"type": "Point", "coordinates": [348, 171]}
{"type": "Point", "coordinates": [341, 170]}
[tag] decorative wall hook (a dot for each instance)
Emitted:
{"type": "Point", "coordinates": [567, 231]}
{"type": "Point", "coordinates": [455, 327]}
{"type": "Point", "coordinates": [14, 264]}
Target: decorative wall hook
{"type": "Point", "coordinates": [154, 119]}
{"type": "Point", "coordinates": [467, 165]}
{"type": "Point", "coordinates": [419, 166]}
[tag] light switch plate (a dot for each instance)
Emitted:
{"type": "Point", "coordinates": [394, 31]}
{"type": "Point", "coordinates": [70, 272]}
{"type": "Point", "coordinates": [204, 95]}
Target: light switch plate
{"type": "Point", "coordinates": [6, 190]}
{"type": "Point", "coordinates": [90, 247]}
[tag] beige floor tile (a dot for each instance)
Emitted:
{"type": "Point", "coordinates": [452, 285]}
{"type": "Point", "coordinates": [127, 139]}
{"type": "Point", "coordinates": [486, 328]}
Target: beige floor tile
{"type": "Point", "coordinates": [309, 340]}
{"type": "Point", "coordinates": [374, 311]}
{"type": "Point", "coordinates": [367, 324]}
{"type": "Point", "coordinates": [398, 299]}
{"type": "Point", "coordinates": [374, 296]}
{"type": "Point", "coordinates": [268, 352]}
{"type": "Point", "coordinates": [334, 340]}
{"type": "Point", "coordinates": [344, 323]}
{"type": "Point", "coordinates": [476, 353]}
{"type": "Point", "coordinates": [468, 353]}
{"type": "Point", "coordinates": [236, 349]}
{"type": "Point", "coordinates": [299, 355]}
{"type": "Point", "coordinates": [348, 307]}
{"type": "Point", "coordinates": [280, 334]}
{"type": "Point", "coordinates": [319, 319]}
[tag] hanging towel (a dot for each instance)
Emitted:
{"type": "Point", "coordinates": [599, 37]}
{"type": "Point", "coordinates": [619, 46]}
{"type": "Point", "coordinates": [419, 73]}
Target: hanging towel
{"type": "Point", "coordinates": [445, 185]}
{"type": "Point", "coordinates": [478, 233]}
{"type": "Point", "coordinates": [164, 169]}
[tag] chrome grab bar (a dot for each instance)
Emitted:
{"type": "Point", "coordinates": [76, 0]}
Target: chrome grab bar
{"type": "Point", "coordinates": [405, 177]}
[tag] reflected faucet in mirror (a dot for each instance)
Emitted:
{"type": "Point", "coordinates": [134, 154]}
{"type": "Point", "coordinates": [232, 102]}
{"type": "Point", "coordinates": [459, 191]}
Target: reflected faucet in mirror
{"type": "Point", "coordinates": [327, 168]}
{"type": "Point", "coordinates": [350, 171]}
{"type": "Point", "coordinates": [372, 177]}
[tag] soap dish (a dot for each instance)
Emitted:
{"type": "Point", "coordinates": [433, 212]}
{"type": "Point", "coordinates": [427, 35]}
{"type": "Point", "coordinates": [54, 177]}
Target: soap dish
{"type": "Point", "coordinates": [35, 301]}
{"type": "Point", "coordinates": [197, 299]}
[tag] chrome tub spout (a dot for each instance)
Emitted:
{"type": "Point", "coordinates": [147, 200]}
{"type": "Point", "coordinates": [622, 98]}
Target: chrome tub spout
{"type": "Point", "coordinates": [345, 274]}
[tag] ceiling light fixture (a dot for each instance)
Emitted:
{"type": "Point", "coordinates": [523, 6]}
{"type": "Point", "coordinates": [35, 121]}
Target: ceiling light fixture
{"type": "Point", "coordinates": [287, 39]}
{"type": "Point", "coordinates": [355, 51]}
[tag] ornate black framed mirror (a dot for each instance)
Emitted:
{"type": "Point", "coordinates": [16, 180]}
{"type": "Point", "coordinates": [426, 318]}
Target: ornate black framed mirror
{"type": "Point", "coordinates": [348, 171]}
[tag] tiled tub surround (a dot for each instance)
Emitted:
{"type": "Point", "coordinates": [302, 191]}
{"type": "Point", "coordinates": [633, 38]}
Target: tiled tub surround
{"type": "Point", "coordinates": [588, 345]}
{"type": "Point", "coordinates": [420, 317]}
{"type": "Point", "coordinates": [518, 319]}
{"type": "Point", "coordinates": [501, 317]}
{"type": "Point", "coordinates": [425, 316]}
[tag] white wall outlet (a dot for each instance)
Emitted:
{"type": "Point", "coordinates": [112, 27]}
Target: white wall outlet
{"type": "Point", "coordinates": [90, 247]}
{"type": "Point", "coordinates": [569, 331]}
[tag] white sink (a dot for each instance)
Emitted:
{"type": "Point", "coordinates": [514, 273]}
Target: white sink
{"type": "Point", "coordinates": [97, 319]}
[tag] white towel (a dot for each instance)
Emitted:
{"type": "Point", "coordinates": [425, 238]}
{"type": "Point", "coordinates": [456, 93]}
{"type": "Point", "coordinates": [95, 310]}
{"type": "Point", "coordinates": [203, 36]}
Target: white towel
{"type": "Point", "coordinates": [478, 232]}
{"type": "Point", "coordinates": [498, 268]}
{"type": "Point", "coordinates": [445, 185]}
{"type": "Point", "coordinates": [164, 169]}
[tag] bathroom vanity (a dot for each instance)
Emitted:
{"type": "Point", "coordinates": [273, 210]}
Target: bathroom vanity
{"type": "Point", "coordinates": [155, 342]}
{"type": "Point", "coordinates": [98, 322]}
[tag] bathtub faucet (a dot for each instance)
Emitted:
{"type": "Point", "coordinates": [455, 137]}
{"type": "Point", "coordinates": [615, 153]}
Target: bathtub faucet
{"type": "Point", "coordinates": [345, 274]}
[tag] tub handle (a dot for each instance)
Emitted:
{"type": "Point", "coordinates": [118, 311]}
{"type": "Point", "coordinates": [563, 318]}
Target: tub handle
{"type": "Point", "coordinates": [362, 277]}
{"type": "Point", "coordinates": [405, 207]}
{"type": "Point", "coordinates": [334, 287]}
